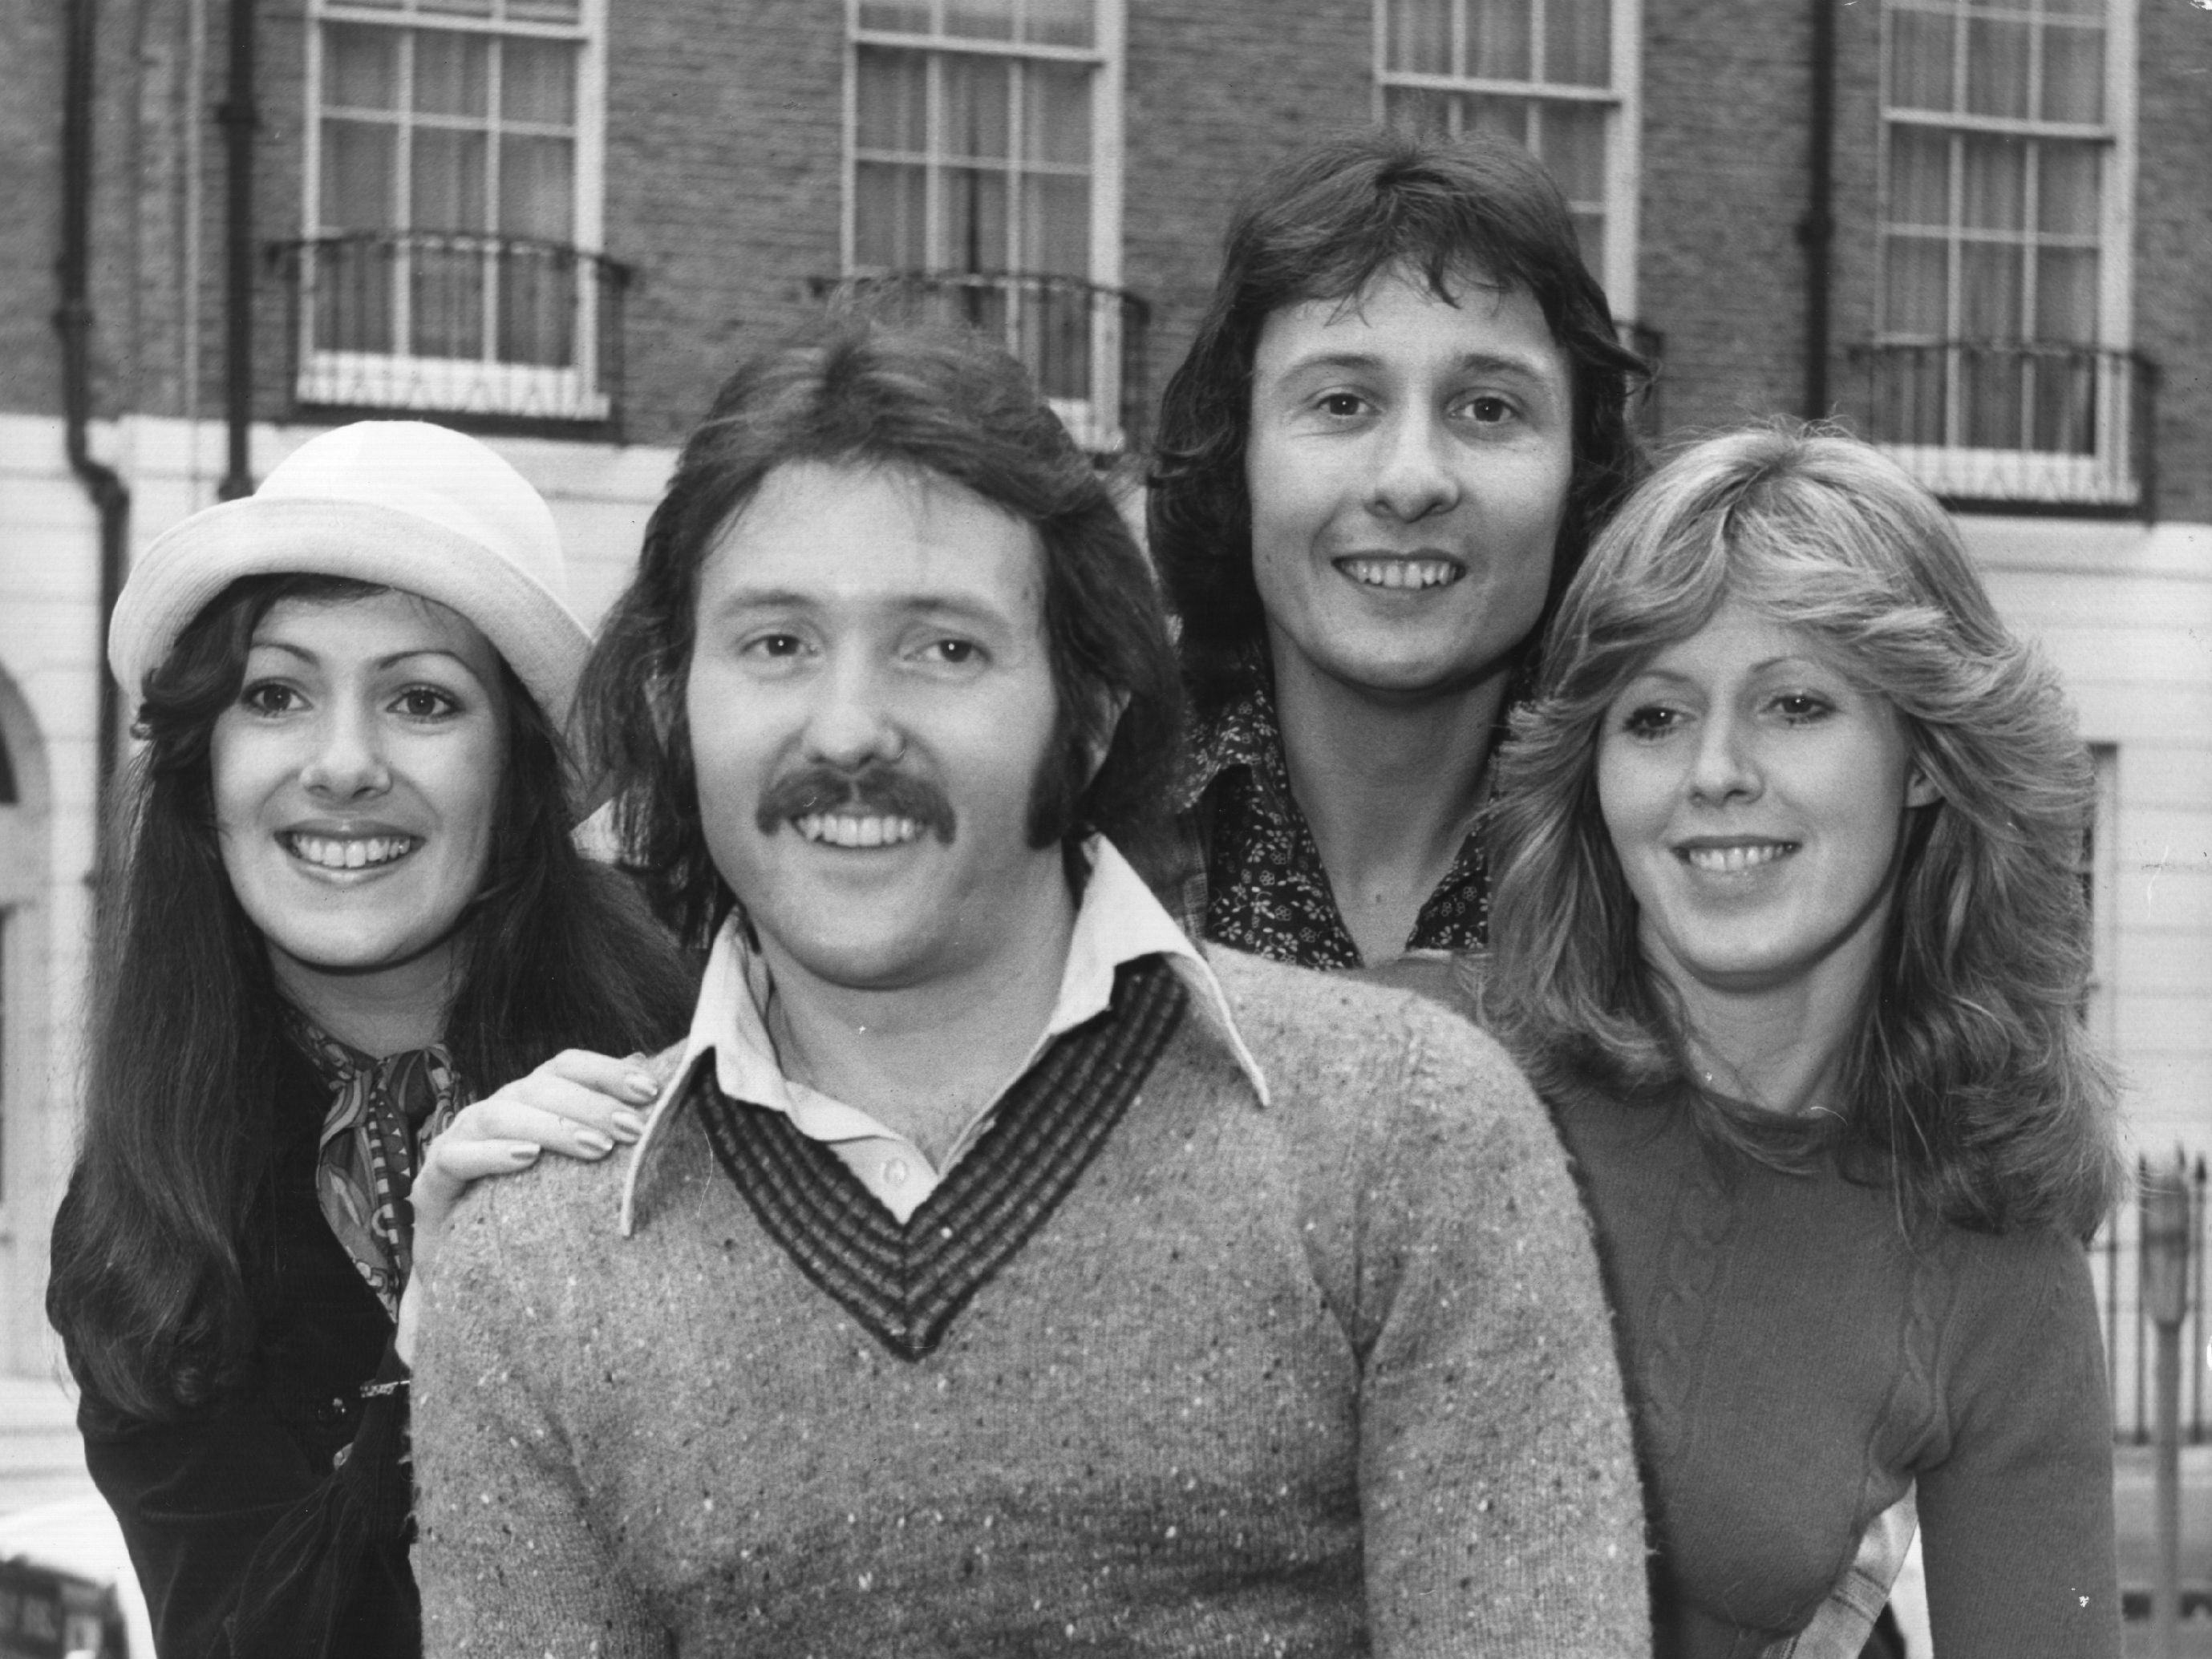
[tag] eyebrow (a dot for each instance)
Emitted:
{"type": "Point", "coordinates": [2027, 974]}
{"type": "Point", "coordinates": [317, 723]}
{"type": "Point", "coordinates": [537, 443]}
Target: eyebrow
{"type": "Point", "coordinates": [786, 598]}
{"type": "Point", "coordinates": [1482, 362]}
{"type": "Point", "coordinates": [391, 661]}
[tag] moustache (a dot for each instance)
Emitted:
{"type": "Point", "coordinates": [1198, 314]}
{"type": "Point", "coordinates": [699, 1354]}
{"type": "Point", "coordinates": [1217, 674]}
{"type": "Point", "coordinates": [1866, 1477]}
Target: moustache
{"type": "Point", "coordinates": [874, 791]}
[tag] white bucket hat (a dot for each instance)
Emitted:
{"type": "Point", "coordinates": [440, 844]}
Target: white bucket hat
{"type": "Point", "coordinates": [403, 504]}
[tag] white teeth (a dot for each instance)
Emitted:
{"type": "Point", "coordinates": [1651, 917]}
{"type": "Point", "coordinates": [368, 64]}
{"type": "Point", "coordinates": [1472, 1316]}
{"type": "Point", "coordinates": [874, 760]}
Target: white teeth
{"type": "Point", "coordinates": [842, 829]}
{"type": "Point", "coordinates": [1733, 860]}
{"type": "Point", "coordinates": [351, 852]}
{"type": "Point", "coordinates": [1401, 573]}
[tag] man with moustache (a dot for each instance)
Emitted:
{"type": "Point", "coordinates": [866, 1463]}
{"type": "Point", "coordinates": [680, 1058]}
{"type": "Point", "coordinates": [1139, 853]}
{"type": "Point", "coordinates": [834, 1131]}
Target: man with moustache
{"type": "Point", "coordinates": [998, 1274]}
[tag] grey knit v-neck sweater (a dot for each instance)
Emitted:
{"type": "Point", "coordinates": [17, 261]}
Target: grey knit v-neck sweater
{"type": "Point", "coordinates": [1329, 1375]}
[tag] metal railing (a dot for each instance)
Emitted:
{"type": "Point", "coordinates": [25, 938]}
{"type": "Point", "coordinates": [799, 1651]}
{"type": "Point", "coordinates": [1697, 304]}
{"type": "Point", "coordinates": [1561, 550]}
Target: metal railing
{"type": "Point", "coordinates": [2014, 424]}
{"type": "Point", "coordinates": [455, 323]}
{"type": "Point", "coordinates": [1083, 342]}
{"type": "Point", "coordinates": [2117, 1260]}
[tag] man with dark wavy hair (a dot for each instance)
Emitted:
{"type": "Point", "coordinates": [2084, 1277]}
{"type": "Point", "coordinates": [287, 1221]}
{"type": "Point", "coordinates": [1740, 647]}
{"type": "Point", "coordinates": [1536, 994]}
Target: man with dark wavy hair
{"type": "Point", "coordinates": [997, 1273]}
{"type": "Point", "coordinates": [1402, 417]}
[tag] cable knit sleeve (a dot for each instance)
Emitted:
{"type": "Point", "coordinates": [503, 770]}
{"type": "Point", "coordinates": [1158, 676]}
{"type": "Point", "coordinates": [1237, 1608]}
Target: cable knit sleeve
{"type": "Point", "coordinates": [1498, 1490]}
{"type": "Point", "coordinates": [507, 1561]}
{"type": "Point", "coordinates": [2017, 1518]}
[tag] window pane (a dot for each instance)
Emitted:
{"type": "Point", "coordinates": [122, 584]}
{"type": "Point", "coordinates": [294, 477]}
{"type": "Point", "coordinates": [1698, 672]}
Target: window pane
{"type": "Point", "coordinates": [537, 81]}
{"type": "Point", "coordinates": [1508, 118]}
{"type": "Point", "coordinates": [1416, 109]}
{"type": "Point", "coordinates": [1920, 62]}
{"type": "Point", "coordinates": [1993, 183]}
{"type": "Point", "coordinates": [889, 202]}
{"type": "Point", "coordinates": [2067, 190]}
{"type": "Point", "coordinates": [360, 176]}
{"type": "Point", "coordinates": [360, 67]}
{"type": "Point", "coordinates": [1058, 23]}
{"type": "Point", "coordinates": [448, 180]}
{"type": "Point", "coordinates": [979, 20]}
{"type": "Point", "coordinates": [1056, 114]}
{"type": "Point", "coordinates": [2066, 295]}
{"type": "Point", "coordinates": [906, 16]}
{"type": "Point", "coordinates": [975, 220]}
{"type": "Point", "coordinates": [537, 187]}
{"type": "Point", "coordinates": [1919, 176]}
{"type": "Point", "coordinates": [447, 298]}
{"type": "Point", "coordinates": [1997, 67]}
{"type": "Point", "coordinates": [892, 114]}
{"type": "Point", "coordinates": [351, 292]}
{"type": "Point", "coordinates": [976, 107]}
{"type": "Point", "coordinates": [545, 11]}
{"type": "Point", "coordinates": [1056, 226]}
{"type": "Point", "coordinates": [1578, 42]}
{"type": "Point", "coordinates": [1498, 38]}
{"type": "Point", "coordinates": [1914, 300]}
{"type": "Point", "coordinates": [1571, 145]}
{"type": "Point", "coordinates": [1420, 36]}
{"type": "Point", "coordinates": [462, 8]}
{"type": "Point", "coordinates": [537, 306]}
{"type": "Point", "coordinates": [1990, 292]}
{"type": "Point", "coordinates": [452, 73]}
{"type": "Point", "coordinates": [2073, 75]}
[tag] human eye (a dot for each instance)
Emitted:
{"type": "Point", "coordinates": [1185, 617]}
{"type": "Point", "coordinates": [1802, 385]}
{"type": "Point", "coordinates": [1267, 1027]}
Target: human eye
{"type": "Point", "coordinates": [1650, 721]}
{"type": "Point", "coordinates": [772, 648]}
{"type": "Point", "coordinates": [951, 651]}
{"type": "Point", "coordinates": [1489, 409]}
{"type": "Point", "coordinates": [269, 698]}
{"type": "Point", "coordinates": [1802, 708]}
{"type": "Point", "coordinates": [1340, 404]}
{"type": "Point", "coordinates": [426, 702]}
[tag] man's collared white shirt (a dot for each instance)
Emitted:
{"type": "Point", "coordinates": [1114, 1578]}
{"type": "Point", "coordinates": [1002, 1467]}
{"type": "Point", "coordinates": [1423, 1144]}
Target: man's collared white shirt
{"type": "Point", "coordinates": [1119, 920]}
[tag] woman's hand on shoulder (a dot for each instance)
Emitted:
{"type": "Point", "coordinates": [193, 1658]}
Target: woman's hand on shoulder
{"type": "Point", "coordinates": [579, 1104]}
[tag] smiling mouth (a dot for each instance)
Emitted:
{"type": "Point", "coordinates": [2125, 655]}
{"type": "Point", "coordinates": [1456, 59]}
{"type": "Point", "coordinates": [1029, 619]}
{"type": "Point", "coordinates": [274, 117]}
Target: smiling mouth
{"type": "Point", "coordinates": [348, 852]}
{"type": "Point", "coordinates": [1735, 861]}
{"type": "Point", "coordinates": [848, 830]}
{"type": "Point", "coordinates": [1403, 573]}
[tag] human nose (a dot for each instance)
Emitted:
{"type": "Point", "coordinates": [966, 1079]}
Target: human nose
{"type": "Point", "coordinates": [1415, 478]}
{"type": "Point", "coordinates": [854, 718]}
{"type": "Point", "coordinates": [348, 761]}
{"type": "Point", "coordinates": [1723, 768]}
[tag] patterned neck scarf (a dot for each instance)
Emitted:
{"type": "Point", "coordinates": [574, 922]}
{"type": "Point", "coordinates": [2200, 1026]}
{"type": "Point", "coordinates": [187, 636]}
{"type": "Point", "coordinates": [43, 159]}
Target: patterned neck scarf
{"type": "Point", "coordinates": [381, 1112]}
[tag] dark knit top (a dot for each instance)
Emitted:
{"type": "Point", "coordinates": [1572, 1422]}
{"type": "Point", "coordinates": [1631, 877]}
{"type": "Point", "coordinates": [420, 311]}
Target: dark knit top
{"type": "Point", "coordinates": [1794, 1362]}
{"type": "Point", "coordinates": [274, 1524]}
{"type": "Point", "coordinates": [1157, 1370]}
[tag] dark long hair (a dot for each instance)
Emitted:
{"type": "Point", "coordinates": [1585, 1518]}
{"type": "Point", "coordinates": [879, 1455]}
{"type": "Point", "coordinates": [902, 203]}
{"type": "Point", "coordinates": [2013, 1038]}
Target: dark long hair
{"type": "Point", "coordinates": [859, 393]}
{"type": "Point", "coordinates": [152, 1250]}
{"type": "Point", "coordinates": [1322, 225]}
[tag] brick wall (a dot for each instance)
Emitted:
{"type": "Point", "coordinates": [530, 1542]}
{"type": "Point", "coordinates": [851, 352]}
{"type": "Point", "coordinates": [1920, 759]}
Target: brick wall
{"type": "Point", "coordinates": [2173, 246]}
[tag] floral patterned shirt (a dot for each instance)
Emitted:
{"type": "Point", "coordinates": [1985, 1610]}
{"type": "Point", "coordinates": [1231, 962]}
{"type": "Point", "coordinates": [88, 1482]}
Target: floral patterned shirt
{"type": "Point", "coordinates": [1250, 875]}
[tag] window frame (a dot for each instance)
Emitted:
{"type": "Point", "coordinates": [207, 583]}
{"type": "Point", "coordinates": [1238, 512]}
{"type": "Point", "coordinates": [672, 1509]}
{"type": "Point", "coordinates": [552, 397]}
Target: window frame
{"type": "Point", "coordinates": [1959, 468]}
{"type": "Point", "coordinates": [397, 378]}
{"type": "Point", "coordinates": [1623, 101]}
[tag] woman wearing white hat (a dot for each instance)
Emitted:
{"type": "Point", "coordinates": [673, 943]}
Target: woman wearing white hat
{"type": "Point", "coordinates": [350, 905]}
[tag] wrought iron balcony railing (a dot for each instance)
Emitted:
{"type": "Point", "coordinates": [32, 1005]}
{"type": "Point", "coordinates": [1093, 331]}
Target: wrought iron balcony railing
{"type": "Point", "coordinates": [453, 322]}
{"type": "Point", "coordinates": [1083, 344]}
{"type": "Point", "coordinates": [2015, 423]}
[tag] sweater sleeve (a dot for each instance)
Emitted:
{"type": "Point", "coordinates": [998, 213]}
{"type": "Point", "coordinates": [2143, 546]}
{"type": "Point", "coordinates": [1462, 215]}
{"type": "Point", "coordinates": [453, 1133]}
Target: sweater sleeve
{"type": "Point", "coordinates": [244, 1548]}
{"type": "Point", "coordinates": [2017, 1521]}
{"type": "Point", "coordinates": [508, 1559]}
{"type": "Point", "coordinates": [1499, 1495]}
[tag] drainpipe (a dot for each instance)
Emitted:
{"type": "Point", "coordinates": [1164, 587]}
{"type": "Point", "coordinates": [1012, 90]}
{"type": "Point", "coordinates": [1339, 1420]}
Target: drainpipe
{"type": "Point", "coordinates": [240, 120]}
{"type": "Point", "coordinates": [73, 320]}
{"type": "Point", "coordinates": [1817, 229]}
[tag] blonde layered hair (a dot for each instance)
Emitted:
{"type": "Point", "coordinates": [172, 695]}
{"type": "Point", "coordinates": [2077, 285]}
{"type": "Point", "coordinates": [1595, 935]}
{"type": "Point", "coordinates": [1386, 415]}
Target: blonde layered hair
{"type": "Point", "coordinates": [1970, 1086]}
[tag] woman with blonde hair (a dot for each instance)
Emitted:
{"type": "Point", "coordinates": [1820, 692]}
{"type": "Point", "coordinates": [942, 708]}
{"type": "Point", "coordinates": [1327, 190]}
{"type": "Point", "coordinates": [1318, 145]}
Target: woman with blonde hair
{"type": "Point", "coordinates": [1790, 931]}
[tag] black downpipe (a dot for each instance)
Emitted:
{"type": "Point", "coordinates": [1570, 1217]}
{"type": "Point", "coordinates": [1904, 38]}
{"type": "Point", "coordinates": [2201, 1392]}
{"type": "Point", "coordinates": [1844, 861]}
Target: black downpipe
{"type": "Point", "coordinates": [73, 320]}
{"type": "Point", "coordinates": [1817, 230]}
{"type": "Point", "coordinates": [239, 120]}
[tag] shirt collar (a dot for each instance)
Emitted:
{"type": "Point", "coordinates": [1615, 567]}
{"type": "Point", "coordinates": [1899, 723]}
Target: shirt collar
{"type": "Point", "coordinates": [1118, 921]}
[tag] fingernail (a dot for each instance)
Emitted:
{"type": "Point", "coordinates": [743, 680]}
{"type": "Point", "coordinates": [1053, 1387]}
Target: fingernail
{"type": "Point", "coordinates": [595, 1140]}
{"type": "Point", "coordinates": [627, 1122]}
{"type": "Point", "coordinates": [526, 1153]}
{"type": "Point", "coordinates": [640, 1085]}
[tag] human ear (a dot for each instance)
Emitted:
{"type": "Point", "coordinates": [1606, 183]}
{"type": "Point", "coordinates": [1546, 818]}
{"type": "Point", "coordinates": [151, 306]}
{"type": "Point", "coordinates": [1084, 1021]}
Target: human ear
{"type": "Point", "coordinates": [1919, 791]}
